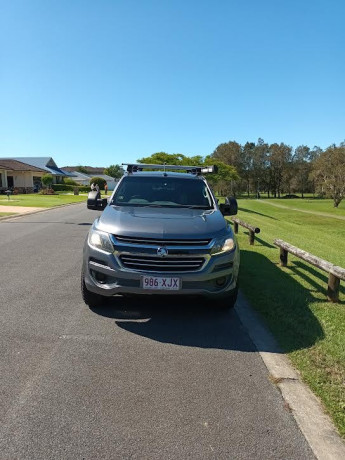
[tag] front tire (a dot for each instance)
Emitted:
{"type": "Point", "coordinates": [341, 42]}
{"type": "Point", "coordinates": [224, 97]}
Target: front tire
{"type": "Point", "coordinates": [90, 298]}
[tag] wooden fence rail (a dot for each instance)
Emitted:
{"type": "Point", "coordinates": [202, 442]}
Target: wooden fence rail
{"type": "Point", "coordinates": [335, 273]}
{"type": "Point", "coordinates": [251, 228]}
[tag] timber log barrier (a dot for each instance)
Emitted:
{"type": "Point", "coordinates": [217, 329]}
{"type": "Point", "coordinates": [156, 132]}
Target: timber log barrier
{"type": "Point", "coordinates": [251, 228]}
{"type": "Point", "coordinates": [335, 273]}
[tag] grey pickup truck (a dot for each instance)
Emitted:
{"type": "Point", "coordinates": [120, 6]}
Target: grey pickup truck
{"type": "Point", "coordinates": [161, 233]}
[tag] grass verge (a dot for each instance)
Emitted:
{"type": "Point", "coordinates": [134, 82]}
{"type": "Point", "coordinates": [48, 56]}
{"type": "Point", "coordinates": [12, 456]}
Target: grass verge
{"type": "Point", "coordinates": [41, 201]}
{"type": "Point", "coordinates": [292, 300]}
{"type": "Point", "coordinates": [4, 214]}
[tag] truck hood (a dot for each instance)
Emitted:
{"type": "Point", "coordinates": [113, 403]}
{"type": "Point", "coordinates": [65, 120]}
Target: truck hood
{"type": "Point", "coordinates": [179, 223]}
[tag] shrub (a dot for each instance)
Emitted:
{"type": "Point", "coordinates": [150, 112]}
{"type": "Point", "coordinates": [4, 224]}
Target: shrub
{"type": "Point", "coordinates": [98, 180]}
{"type": "Point", "coordinates": [69, 181]}
{"type": "Point", "coordinates": [62, 188]}
{"type": "Point", "coordinates": [47, 180]}
{"type": "Point", "coordinates": [70, 188]}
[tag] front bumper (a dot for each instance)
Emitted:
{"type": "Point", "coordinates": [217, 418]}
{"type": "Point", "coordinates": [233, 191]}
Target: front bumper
{"type": "Point", "coordinates": [105, 275]}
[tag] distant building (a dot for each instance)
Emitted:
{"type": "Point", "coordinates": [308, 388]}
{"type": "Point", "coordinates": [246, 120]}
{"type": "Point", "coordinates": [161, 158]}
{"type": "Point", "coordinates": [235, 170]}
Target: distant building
{"type": "Point", "coordinates": [84, 179]}
{"type": "Point", "coordinates": [25, 173]}
{"type": "Point", "coordinates": [47, 164]}
{"type": "Point", "coordinates": [19, 175]}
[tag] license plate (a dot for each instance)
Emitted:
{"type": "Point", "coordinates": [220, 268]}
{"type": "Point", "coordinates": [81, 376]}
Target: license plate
{"type": "Point", "coordinates": [162, 283]}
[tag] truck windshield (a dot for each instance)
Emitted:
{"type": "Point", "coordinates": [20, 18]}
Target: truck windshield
{"type": "Point", "coordinates": [163, 191]}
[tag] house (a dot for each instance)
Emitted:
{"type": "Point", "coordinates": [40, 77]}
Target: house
{"type": "Point", "coordinates": [15, 174]}
{"type": "Point", "coordinates": [84, 179]}
{"type": "Point", "coordinates": [47, 164]}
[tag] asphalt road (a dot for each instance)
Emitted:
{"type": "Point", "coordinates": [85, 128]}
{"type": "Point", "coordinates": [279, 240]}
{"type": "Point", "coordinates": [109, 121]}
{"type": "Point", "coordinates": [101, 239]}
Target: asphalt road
{"type": "Point", "coordinates": [135, 380]}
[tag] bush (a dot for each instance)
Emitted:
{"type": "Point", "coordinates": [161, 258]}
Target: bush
{"type": "Point", "coordinates": [70, 188]}
{"type": "Point", "coordinates": [47, 180]}
{"type": "Point", "coordinates": [98, 180]}
{"type": "Point", "coordinates": [62, 188]}
{"type": "Point", "coordinates": [84, 188]}
{"type": "Point", "coordinates": [69, 181]}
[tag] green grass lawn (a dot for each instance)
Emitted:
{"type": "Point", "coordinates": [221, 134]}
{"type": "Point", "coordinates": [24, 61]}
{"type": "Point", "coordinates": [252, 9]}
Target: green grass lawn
{"type": "Point", "coordinates": [314, 205]}
{"type": "Point", "coordinates": [292, 300]}
{"type": "Point", "coordinates": [4, 214]}
{"type": "Point", "coordinates": [40, 201]}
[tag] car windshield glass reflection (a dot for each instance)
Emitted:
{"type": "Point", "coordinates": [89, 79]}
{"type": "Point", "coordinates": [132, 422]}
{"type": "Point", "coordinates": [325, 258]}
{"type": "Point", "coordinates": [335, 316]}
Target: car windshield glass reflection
{"type": "Point", "coordinates": [163, 192]}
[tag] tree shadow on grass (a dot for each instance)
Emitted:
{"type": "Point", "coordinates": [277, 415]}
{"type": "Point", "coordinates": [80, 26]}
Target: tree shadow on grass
{"type": "Point", "coordinates": [261, 241]}
{"type": "Point", "coordinates": [281, 300]}
{"type": "Point", "coordinates": [255, 212]}
{"type": "Point", "coordinates": [308, 273]}
{"type": "Point", "coordinates": [194, 322]}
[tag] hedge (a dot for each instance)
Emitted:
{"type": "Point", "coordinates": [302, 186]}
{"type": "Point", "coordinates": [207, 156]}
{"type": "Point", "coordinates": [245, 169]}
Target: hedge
{"type": "Point", "coordinates": [70, 188]}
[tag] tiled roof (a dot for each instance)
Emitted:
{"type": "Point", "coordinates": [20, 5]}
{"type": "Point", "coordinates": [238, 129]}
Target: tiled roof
{"type": "Point", "coordinates": [14, 165]}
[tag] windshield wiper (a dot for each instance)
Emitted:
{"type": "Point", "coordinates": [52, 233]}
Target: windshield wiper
{"type": "Point", "coordinates": [194, 206]}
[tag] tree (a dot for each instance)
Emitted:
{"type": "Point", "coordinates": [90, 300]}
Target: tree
{"type": "Point", "coordinates": [115, 171]}
{"type": "Point", "coordinates": [229, 153]}
{"type": "Point", "coordinates": [302, 167]}
{"type": "Point", "coordinates": [161, 158]}
{"type": "Point", "coordinates": [82, 169]}
{"type": "Point", "coordinates": [224, 178]}
{"type": "Point", "coordinates": [260, 165]}
{"type": "Point", "coordinates": [47, 180]}
{"type": "Point", "coordinates": [280, 157]}
{"type": "Point", "coordinates": [98, 180]}
{"type": "Point", "coordinates": [329, 173]}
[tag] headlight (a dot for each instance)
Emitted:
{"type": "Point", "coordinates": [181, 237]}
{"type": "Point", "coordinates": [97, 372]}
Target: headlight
{"type": "Point", "coordinates": [100, 240]}
{"type": "Point", "coordinates": [223, 245]}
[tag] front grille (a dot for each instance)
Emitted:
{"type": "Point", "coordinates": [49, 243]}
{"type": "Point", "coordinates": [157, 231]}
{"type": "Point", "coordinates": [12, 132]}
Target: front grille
{"type": "Point", "coordinates": [157, 264]}
{"type": "Point", "coordinates": [161, 242]}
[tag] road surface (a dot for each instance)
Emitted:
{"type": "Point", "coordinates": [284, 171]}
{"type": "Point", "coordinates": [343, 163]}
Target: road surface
{"type": "Point", "coordinates": [137, 379]}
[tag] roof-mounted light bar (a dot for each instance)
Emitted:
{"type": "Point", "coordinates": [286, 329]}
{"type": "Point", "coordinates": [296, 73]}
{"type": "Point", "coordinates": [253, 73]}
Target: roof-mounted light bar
{"type": "Point", "coordinates": [135, 167]}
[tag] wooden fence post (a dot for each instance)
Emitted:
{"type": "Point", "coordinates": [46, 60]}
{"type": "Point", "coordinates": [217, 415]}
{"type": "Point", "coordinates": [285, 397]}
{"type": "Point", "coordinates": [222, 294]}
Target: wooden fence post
{"type": "Point", "coordinates": [283, 257]}
{"type": "Point", "coordinates": [333, 288]}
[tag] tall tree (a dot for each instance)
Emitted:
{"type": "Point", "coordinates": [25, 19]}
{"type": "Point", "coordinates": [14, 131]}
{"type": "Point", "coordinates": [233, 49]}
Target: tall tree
{"type": "Point", "coordinates": [329, 173]}
{"type": "Point", "coordinates": [229, 153]}
{"type": "Point", "coordinates": [302, 167]}
{"type": "Point", "coordinates": [115, 171]}
{"type": "Point", "coordinates": [280, 157]}
{"type": "Point", "coordinates": [161, 158]}
{"type": "Point", "coordinates": [260, 166]}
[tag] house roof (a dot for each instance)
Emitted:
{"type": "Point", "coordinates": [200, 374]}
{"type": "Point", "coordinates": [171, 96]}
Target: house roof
{"type": "Point", "coordinates": [80, 176]}
{"type": "Point", "coordinates": [15, 165]}
{"type": "Point", "coordinates": [45, 163]}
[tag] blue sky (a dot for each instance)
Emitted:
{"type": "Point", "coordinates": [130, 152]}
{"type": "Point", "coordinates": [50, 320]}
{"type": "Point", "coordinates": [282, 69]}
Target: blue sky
{"type": "Point", "coordinates": [103, 82]}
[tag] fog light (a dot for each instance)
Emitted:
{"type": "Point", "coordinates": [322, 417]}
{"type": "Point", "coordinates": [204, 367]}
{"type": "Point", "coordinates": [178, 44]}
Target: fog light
{"type": "Point", "coordinates": [98, 276]}
{"type": "Point", "coordinates": [221, 281]}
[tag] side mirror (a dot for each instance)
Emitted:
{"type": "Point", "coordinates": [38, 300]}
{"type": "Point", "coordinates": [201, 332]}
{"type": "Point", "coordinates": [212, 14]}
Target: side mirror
{"type": "Point", "coordinates": [95, 202]}
{"type": "Point", "coordinates": [229, 208]}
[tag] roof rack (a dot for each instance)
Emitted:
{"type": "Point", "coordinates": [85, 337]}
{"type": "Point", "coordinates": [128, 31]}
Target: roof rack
{"type": "Point", "coordinates": [197, 170]}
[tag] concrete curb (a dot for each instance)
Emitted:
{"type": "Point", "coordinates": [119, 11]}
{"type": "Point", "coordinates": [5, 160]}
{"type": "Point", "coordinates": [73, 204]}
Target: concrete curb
{"type": "Point", "coordinates": [18, 215]}
{"type": "Point", "coordinates": [316, 426]}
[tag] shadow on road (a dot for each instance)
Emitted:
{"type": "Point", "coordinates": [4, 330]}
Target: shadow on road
{"type": "Point", "coordinates": [180, 321]}
{"type": "Point", "coordinates": [197, 323]}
